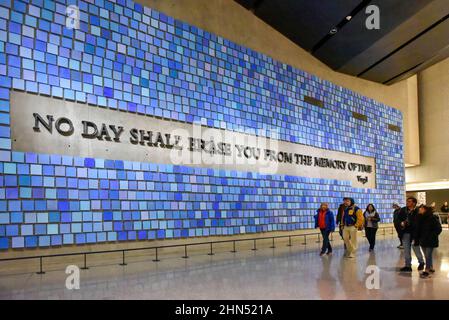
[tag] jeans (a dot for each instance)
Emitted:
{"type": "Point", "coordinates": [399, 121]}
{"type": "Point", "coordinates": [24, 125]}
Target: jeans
{"type": "Point", "coordinates": [350, 238]}
{"type": "Point", "coordinates": [326, 243]}
{"type": "Point", "coordinates": [428, 251]}
{"type": "Point", "coordinates": [371, 236]}
{"type": "Point", "coordinates": [407, 242]}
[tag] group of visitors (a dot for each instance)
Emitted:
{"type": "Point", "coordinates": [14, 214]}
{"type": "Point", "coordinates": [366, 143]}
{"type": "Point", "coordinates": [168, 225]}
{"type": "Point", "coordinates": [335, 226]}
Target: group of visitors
{"type": "Point", "coordinates": [418, 229]}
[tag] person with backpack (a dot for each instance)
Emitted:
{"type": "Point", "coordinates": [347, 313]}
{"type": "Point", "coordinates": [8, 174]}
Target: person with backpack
{"type": "Point", "coordinates": [352, 220]}
{"type": "Point", "coordinates": [324, 220]}
{"type": "Point", "coordinates": [372, 219]}
{"type": "Point", "coordinates": [428, 228]}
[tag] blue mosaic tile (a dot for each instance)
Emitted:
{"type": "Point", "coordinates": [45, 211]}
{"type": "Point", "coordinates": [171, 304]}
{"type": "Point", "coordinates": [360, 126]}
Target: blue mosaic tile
{"type": "Point", "coordinates": [135, 59]}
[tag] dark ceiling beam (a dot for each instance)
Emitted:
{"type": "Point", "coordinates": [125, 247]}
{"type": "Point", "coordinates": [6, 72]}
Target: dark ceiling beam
{"type": "Point", "coordinates": [422, 49]}
{"type": "Point", "coordinates": [341, 24]}
{"type": "Point", "coordinates": [421, 20]}
{"type": "Point", "coordinates": [443, 54]}
{"type": "Point", "coordinates": [404, 45]}
{"type": "Point", "coordinates": [411, 37]}
{"type": "Point", "coordinates": [256, 5]}
{"type": "Point", "coordinates": [403, 73]}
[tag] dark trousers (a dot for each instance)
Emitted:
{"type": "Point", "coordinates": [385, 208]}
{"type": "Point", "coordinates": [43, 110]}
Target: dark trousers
{"type": "Point", "coordinates": [326, 243]}
{"type": "Point", "coordinates": [371, 236]}
{"type": "Point", "coordinates": [400, 233]}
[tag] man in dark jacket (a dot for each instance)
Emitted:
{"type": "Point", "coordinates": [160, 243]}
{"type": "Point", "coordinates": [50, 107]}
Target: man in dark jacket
{"type": "Point", "coordinates": [397, 223]}
{"type": "Point", "coordinates": [407, 222]}
{"type": "Point", "coordinates": [340, 210]}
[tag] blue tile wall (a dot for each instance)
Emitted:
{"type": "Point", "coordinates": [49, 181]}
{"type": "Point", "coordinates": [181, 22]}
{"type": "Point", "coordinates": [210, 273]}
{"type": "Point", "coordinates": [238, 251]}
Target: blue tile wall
{"type": "Point", "coordinates": [132, 58]}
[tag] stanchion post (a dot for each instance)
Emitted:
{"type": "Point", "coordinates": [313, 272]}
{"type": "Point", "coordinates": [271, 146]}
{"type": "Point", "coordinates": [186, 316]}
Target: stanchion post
{"type": "Point", "coordinates": [211, 253]}
{"type": "Point", "coordinates": [185, 252]}
{"type": "Point", "coordinates": [233, 247]}
{"type": "Point", "coordinates": [85, 263]}
{"type": "Point", "coordinates": [273, 246]}
{"type": "Point", "coordinates": [289, 241]}
{"type": "Point", "coordinates": [254, 248]}
{"type": "Point", "coordinates": [41, 271]}
{"type": "Point", "coordinates": [123, 259]}
{"type": "Point", "coordinates": [156, 260]}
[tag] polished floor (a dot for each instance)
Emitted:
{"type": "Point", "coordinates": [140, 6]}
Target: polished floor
{"type": "Point", "coordinates": [296, 272]}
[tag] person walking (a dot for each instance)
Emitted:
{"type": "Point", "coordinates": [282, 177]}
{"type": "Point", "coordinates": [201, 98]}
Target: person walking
{"type": "Point", "coordinates": [407, 221]}
{"type": "Point", "coordinates": [445, 210]}
{"type": "Point", "coordinates": [397, 224]}
{"type": "Point", "coordinates": [340, 210]}
{"type": "Point", "coordinates": [324, 220]}
{"type": "Point", "coordinates": [372, 219]}
{"type": "Point", "coordinates": [428, 228]}
{"type": "Point", "coordinates": [352, 220]}
{"type": "Point", "coordinates": [445, 207]}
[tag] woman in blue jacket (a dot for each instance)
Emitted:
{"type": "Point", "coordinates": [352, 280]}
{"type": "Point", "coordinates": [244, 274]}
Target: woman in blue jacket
{"type": "Point", "coordinates": [324, 220]}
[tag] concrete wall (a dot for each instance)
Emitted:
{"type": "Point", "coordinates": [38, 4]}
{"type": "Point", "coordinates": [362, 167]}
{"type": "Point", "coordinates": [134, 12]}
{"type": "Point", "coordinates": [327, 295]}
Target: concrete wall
{"type": "Point", "coordinates": [433, 86]}
{"type": "Point", "coordinates": [230, 20]}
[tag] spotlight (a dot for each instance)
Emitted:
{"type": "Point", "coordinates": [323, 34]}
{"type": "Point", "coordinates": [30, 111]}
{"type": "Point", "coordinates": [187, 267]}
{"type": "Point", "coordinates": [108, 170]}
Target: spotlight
{"type": "Point", "coordinates": [348, 18]}
{"type": "Point", "coordinates": [333, 31]}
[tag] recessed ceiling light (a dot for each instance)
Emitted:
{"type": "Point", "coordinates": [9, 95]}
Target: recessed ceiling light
{"type": "Point", "coordinates": [348, 18]}
{"type": "Point", "coordinates": [333, 30]}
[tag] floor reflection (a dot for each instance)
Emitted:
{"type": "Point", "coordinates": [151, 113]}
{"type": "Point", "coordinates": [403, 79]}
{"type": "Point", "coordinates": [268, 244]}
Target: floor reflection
{"type": "Point", "coordinates": [283, 273]}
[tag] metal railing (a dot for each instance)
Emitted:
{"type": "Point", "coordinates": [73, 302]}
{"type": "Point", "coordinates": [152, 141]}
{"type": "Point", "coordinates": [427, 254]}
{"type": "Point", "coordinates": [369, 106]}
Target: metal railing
{"type": "Point", "coordinates": [185, 245]}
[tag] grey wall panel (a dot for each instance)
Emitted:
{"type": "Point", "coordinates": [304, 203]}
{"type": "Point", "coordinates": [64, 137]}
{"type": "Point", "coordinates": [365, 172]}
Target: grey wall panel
{"type": "Point", "coordinates": [419, 51]}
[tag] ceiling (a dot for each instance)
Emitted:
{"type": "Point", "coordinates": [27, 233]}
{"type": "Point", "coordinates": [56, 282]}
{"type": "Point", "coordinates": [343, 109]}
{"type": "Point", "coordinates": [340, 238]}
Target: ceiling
{"type": "Point", "coordinates": [413, 34]}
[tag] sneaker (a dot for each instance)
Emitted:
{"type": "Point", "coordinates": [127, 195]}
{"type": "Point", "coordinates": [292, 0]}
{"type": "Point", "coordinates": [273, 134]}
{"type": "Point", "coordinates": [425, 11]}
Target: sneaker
{"type": "Point", "coordinates": [406, 269]}
{"type": "Point", "coordinates": [329, 253]}
{"type": "Point", "coordinates": [421, 267]}
{"type": "Point", "coordinates": [425, 274]}
{"type": "Point", "coordinates": [322, 254]}
{"type": "Point", "coordinates": [400, 246]}
{"type": "Point", "coordinates": [432, 270]}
